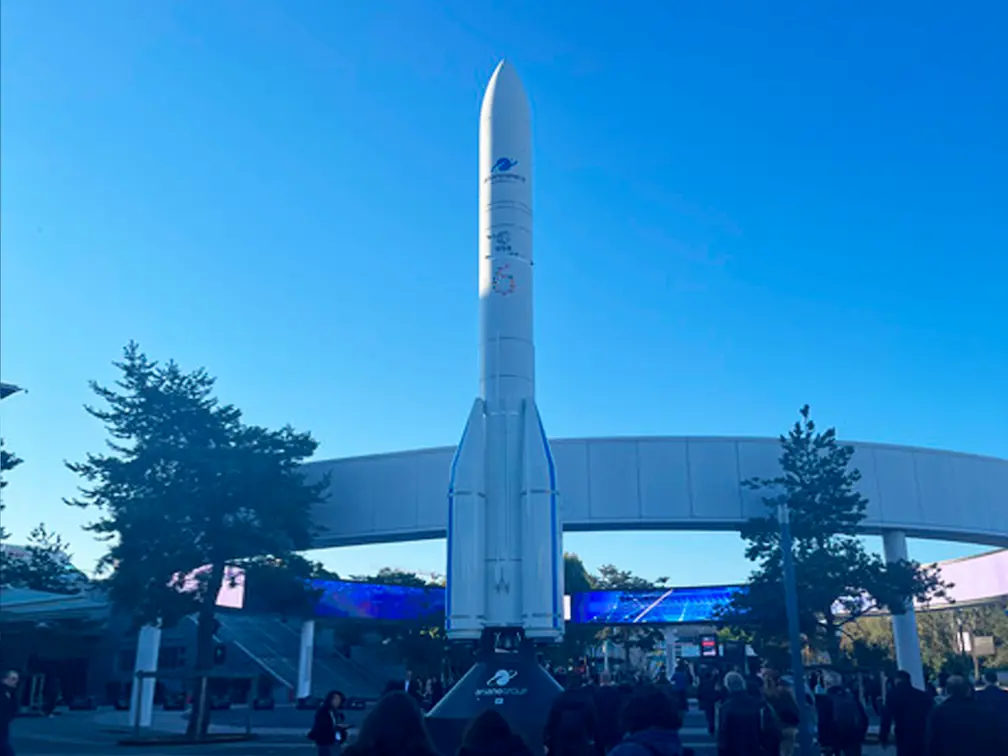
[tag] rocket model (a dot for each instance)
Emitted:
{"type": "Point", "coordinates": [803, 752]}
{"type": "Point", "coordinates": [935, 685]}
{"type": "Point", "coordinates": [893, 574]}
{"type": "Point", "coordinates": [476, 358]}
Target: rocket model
{"type": "Point", "coordinates": [505, 559]}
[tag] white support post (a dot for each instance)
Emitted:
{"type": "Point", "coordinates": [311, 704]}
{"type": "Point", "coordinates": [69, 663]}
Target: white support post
{"type": "Point", "coordinates": [142, 691]}
{"type": "Point", "coordinates": [671, 650]}
{"type": "Point", "coordinates": [305, 658]}
{"type": "Point", "coordinates": [905, 637]}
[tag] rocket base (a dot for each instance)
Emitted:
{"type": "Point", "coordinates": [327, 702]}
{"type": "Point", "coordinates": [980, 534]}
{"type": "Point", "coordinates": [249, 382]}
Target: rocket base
{"type": "Point", "coordinates": [512, 682]}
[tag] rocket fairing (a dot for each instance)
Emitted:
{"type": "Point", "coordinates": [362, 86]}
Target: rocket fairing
{"type": "Point", "coordinates": [505, 558]}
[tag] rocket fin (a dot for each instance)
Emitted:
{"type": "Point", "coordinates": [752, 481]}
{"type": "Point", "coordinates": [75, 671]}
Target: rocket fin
{"type": "Point", "coordinates": [465, 608]}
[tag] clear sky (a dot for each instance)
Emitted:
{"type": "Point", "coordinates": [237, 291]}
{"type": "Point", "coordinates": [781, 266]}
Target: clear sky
{"type": "Point", "coordinates": [738, 211]}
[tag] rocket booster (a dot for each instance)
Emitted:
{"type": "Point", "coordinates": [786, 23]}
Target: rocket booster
{"type": "Point", "coordinates": [505, 559]}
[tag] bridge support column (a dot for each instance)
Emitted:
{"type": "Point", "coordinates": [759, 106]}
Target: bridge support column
{"type": "Point", "coordinates": [904, 626]}
{"type": "Point", "coordinates": [305, 658]}
{"type": "Point", "coordinates": [142, 690]}
{"type": "Point", "coordinates": [671, 650]}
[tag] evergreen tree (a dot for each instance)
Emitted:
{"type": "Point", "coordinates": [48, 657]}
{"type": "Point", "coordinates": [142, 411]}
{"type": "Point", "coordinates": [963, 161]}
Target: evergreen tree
{"type": "Point", "coordinates": [838, 579]}
{"type": "Point", "coordinates": [45, 567]}
{"type": "Point", "coordinates": [8, 461]}
{"type": "Point", "coordinates": [185, 490]}
{"type": "Point", "coordinates": [275, 585]}
{"type": "Point", "coordinates": [577, 579]}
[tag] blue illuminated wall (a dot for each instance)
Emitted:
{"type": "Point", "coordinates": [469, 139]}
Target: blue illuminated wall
{"type": "Point", "coordinates": [343, 599]}
{"type": "Point", "coordinates": [367, 601]}
{"type": "Point", "coordinates": [663, 607]}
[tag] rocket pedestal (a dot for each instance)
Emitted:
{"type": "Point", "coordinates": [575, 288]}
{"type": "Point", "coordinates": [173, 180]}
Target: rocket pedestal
{"type": "Point", "coordinates": [505, 556]}
{"type": "Point", "coordinates": [510, 681]}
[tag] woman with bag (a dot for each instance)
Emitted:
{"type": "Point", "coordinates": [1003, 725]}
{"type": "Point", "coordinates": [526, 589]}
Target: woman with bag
{"type": "Point", "coordinates": [328, 732]}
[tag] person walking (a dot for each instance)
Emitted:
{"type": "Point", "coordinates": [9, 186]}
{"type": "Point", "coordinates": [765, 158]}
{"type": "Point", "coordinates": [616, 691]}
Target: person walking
{"type": "Point", "coordinates": [961, 725]}
{"type": "Point", "coordinates": [906, 711]}
{"type": "Point", "coordinates": [8, 709]}
{"type": "Point", "coordinates": [328, 732]}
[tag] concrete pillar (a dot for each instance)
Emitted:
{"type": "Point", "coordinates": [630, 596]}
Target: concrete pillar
{"type": "Point", "coordinates": [671, 650]}
{"type": "Point", "coordinates": [142, 693]}
{"type": "Point", "coordinates": [305, 658]}
{"type": "Point", "coordinates": [904, 626]}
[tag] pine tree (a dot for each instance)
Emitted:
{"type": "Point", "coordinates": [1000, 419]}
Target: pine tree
{"type": "Point", "coordinates": [45, 567]}
{"type": "Point", "coordinates": [838, 579]}
{"type": "Point", "coordinates": [8, 461]}
{"type": "Point", "coordinates": [186, 490]}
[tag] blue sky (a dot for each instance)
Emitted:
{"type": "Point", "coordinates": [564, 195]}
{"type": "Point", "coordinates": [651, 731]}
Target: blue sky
{"type": "Point", "coordinates": [737, 212]}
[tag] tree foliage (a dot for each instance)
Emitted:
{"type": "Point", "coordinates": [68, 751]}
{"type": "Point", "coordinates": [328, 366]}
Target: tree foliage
{"type": "Point", "coordinates": [186, 489]}
{"type": "Point", "coordinates": [838, 579]}
{"type": "Point", "coordinates": [643, 637]}
{"type": "Point", "coordinates": [283, 585]}
{"type": "Point", "coordinates": [8, 461]}
{"type": "Point", "coordinates": [577, 579]}
{"type": "Point", "coordinates": [941, 634]}
{"type": "Point", "coordinates": [45, 567]}
{"type": "Point", "coordinates": [422, 641]}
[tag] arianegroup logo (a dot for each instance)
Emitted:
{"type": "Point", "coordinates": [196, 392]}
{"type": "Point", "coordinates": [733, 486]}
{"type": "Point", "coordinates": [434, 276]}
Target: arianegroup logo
{"type": "Point", "coordinates": [502, 677]}
{"type": "Point", "coordinates": [500, 686]}
{"type": "Point", "coordinates": [503, 169]}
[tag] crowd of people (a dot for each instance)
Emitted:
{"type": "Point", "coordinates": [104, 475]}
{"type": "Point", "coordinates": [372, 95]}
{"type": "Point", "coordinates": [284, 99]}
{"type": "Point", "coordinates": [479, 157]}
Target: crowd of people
{"type": "Point", "coordinates": [747, 715]}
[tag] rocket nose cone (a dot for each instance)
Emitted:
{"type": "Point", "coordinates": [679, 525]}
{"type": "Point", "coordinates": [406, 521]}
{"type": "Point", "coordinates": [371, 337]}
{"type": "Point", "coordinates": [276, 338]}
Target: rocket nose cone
{"type": "Point", "coordinates": [504, 93]}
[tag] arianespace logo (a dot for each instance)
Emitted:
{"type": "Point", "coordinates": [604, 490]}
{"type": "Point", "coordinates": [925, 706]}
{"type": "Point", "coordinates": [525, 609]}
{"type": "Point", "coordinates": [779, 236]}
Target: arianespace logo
{"type": "Point", "coordinates": [499, 685]}
{"type": "Point", "coordinates": [503, 169]}
{"type": "Point", "coordinates": [503, 165]}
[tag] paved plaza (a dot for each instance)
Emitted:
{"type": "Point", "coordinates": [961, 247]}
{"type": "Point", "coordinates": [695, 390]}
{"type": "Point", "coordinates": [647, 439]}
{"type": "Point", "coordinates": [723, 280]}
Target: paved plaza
{"type": "Point", "coordinates": [276, 732]}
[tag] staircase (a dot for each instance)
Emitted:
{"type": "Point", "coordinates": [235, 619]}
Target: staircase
{"type": "Point", "coordinates": [275, 646]}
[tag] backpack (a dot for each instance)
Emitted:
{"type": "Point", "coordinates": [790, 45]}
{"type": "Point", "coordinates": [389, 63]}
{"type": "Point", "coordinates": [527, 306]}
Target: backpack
{"type": "Point", "coordinates": [847, 717]}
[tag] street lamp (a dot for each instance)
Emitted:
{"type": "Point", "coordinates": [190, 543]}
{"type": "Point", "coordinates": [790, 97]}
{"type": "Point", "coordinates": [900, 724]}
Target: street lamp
{"type": "Point", "coordinates": [794, 636]}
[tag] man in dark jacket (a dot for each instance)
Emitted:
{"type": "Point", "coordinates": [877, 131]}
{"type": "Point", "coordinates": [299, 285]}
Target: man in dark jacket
{"type": "Point", "coordinates": [847, 722]}
{"type": "Point", "coordinates": [960, 725]}
{"type": "Point", "coordinates": [609, 703]}
{"type": "Point", "coordinates": [707, 698]}
{"type": "Point", "coordinates": [8, 710]}
{"type": "Point", "coordinates": [747, 726]}
{"type": "Point", "coordinates": [652, 720]}
{"type": "Point", "coordinates": [906, 708]}
{"type": "Point", "coordinates": [993, 698]}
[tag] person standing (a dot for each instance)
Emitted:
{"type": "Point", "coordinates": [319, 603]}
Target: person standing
{"type": "Point", "coordinates": [782, 700]}
{"type": "Point", "coordinates": [848, 720]}
{"type": "Point", "coordinates": [8, 709]}
{"type": "Point", "coordinates": [961, 725]}
{"type": "Point", "coordinates": [707, 698]}
{"type": "Point", "coordinates": [906, 710]}
{"type": "Point", "coordinates": [328, 732]}
{"type": "Point", "coordinates": [747, 726]}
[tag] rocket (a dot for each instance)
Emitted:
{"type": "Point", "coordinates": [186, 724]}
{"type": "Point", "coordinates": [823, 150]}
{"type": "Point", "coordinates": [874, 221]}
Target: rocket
{"type": "Point", "coordinates": [505, 554]}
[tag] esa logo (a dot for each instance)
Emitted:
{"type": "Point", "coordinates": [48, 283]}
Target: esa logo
{"type": "Point", "coordinates": [503, 165]}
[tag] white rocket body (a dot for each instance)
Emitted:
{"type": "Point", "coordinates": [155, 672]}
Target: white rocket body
{"type": "Point", "coordinates": [505, 557]}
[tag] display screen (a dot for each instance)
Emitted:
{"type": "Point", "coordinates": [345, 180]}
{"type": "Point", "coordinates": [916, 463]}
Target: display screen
{"type": "Point", "coordinates": [708, 645]}
{"type": "Point", "coordinates": [348, 600]}
{"type": "Point", "coordinates": [661, 607]}
{"type": "Point", "coordinates": [344, 599]}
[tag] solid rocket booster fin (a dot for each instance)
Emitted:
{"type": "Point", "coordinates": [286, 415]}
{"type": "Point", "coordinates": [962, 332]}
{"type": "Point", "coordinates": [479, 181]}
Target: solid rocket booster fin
{"type": "Point", "coordinates": [465, 609]}
{"type": "Point", "coordinates": [541, 540]}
